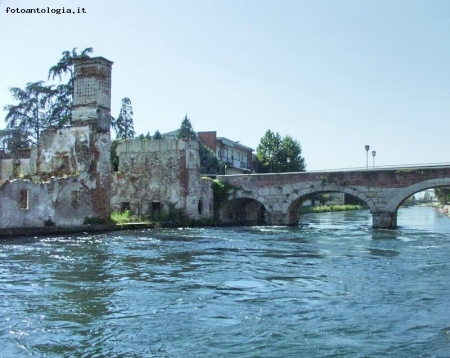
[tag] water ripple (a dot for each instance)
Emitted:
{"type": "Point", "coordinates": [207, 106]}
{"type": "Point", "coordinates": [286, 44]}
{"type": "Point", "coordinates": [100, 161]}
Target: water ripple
{"type": "Point", "coordinates": [333, 287]}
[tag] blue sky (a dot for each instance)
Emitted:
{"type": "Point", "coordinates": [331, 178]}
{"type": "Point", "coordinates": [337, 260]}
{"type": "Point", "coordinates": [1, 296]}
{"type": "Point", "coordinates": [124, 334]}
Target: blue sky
{"type": "Point", "coordinates": [335, 75]}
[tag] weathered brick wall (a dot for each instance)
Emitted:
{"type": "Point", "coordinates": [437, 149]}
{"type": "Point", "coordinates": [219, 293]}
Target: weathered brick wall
{"type": "Point", "coordinates": [209, 139]}
{"type": "Point", "coordinates": [53, 200]}
{"type": "Point", "coordinates": [160, 171]}
{"type": "Point", "coordinates": [65, 151]}
{"type": "Point", "coordinates": [92, 91]}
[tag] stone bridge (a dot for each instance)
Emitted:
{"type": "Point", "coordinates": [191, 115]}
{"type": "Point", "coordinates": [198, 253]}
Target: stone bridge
{"type": "Point", "coordinates": [277, 197]}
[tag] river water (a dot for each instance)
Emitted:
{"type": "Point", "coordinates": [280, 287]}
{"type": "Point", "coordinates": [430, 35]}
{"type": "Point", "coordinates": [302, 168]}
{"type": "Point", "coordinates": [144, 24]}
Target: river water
{"type": "Point", "coordinates": [332, 287]}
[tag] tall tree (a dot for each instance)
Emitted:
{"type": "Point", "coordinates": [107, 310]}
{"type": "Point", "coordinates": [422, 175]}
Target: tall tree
{"type": "Point", "coordinates": [186, 130]}
{"type": "Point", "coordinates": [123, 125]}
{"type": "Point", "coordinates": [209, 162]}
{"type": "Point", "coordinates": [65, 64]}
{"type": "Point", "coordinates": [291, 158]}
{"type": "Point", "coordinates": [144, 136]}
{"type": "Point", "coordinates": [275, 154]}
{"type": "Point", "coordinates": [14, 140]}
{"type": "Point", "coordinates": [32, 114]}
{"type": "Point", "coordinates": [158, 135]}
{"type": "Point", "coordinates": [267, 152]}
{"type": "Point", "coordinates": [63, 93]}
{"type": "Point", "coordinates": [443, 195]}
{"type": "Point", "coordinates": [44, 106]}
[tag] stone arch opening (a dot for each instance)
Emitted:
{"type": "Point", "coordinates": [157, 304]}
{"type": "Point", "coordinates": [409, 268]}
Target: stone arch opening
{"type": "Point", "coordinates": [243, 211]}
{"type": "Point", "coordinates": [348, 196]}
{"type": "Point", "coordinates": [394, 203]}
{"type": "Point", "coordinates": [405, 193]}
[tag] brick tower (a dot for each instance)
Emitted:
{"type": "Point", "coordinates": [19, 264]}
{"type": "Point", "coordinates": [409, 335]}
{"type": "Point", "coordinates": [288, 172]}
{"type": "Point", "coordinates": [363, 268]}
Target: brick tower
{"type": "Point", "coordinates": [92, 92]}
{"type": "Point", "coordinates": [91, 109]}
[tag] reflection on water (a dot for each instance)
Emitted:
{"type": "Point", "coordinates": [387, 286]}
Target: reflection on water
{"type": "Point", "coordinates": [331, 287]}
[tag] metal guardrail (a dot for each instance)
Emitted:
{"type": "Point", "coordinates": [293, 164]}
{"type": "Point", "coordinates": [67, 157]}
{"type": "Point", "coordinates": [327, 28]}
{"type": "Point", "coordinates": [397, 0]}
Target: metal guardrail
{"type": "Point", "coordinates": [384, 167]}
{"type": "Point", "coordinates": [363, 169]}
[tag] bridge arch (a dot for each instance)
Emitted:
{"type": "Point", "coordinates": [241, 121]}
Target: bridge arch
{"type": "Point", "coordinates": [244, 209]}
{"type": "Point", "coordinates": [292, 211]}
{"type": "Point", "coordinates": [386, 217]}
{"type": "Point", "coordinates": [394, 203]}
{"type": "Point", "coordinates": [383, 189]}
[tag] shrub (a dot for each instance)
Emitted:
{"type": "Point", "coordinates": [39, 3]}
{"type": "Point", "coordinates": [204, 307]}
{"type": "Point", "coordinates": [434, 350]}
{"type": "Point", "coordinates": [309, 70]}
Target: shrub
{"type": "Point", "coordinates": [49, 222]}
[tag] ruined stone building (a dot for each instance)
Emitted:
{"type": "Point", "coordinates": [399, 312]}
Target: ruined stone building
{"type": "Point", "coordinates": [237, 157]}
{"type": "Point", "coordinates": [160, 177]}
{"type": "Point", "coordinates": [68, 177]}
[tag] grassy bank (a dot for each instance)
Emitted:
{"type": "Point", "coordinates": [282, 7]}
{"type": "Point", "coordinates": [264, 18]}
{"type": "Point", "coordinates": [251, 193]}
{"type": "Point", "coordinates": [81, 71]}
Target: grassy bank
{"type": "Point", "coordinates": [326, 208]}
{"type": "Point", "coordinates": [174, 218]}
{"type": "Point", "coordinates": [177, 218]}
{"type": "Point", "coordinates": [126, 217]}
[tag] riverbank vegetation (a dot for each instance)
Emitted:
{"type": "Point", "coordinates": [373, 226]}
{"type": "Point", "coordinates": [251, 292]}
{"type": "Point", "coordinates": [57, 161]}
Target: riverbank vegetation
{"type": "Point", "coordinates": [443, 195]}
{"type": "Point", "coordinates": [172, 218]}
{"type": "Point", "coordinates": [328, 208]}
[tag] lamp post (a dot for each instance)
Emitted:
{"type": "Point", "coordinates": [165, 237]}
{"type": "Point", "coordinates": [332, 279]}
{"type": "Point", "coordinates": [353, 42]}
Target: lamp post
{"type": "Point", "coordinates": [367, 156]}
{"type": "Point", "coordinates": [374, 153]}
{"type": "Point", "coordinates": [270, 157]}
{"type": "Point", "coordinates": [288, 163]}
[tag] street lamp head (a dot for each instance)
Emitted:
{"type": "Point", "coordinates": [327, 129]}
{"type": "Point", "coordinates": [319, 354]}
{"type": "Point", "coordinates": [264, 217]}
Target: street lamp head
{"type": "Point", "coordinates": [374, 153]}
{"type": "Point", "coordinates": [367, 147]}
{"type": "Point", "coordinates": [288, 160]}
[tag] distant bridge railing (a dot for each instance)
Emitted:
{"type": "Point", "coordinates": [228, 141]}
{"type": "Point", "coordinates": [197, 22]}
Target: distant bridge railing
{"type": "Point", "coordinates": [382, 167]}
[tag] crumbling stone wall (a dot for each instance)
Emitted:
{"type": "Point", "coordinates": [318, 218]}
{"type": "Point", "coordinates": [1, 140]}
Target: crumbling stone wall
{"type": "Point", "coordinates": [64, 151]}
{"type": "Point", "coordinates": [68, 181]}
{"type": "Point", "coordinates": [160, 175]}
{"type": "Point", "coordinates": [63, 201]}
{"type": "Point", "coordinates": [12, 168]}
{"type": "Point", "coordinates": [68, 176]}
{"type": "Point", "coordinates": [16, 165]}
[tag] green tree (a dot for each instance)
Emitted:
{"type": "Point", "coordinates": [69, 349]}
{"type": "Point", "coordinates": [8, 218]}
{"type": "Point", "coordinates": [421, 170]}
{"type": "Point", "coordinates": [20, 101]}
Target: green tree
{"type": "Point", "coordinates": [275, 154]}
{"type": "Point", "coordinates": [291, 159]}
{"type": "Point", "coordinates": [267, 152]}
{"type": "Point", "coordinates": [146, 136]}
{"type": "Point", "coordinates": [43, 106]}
{"type": "Point", "coordinates": [186, 130]}
{"type": "Point", "coordinates": [13, 140]}
{"type": "Point", "coordinates": [32, 114]}
{"type": "Point", "coordinates": [123, 125]}
{"type": "Point", "coordinates": [63, 93]}
{"type": "Point", "coordinates": [65, 64]}
{"type": "Point", "coordinates": [443, 195]}
{"type": "Point", "coordinates": [158, 135]}
{"type": "Point", "coordinates": [209, 162]}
